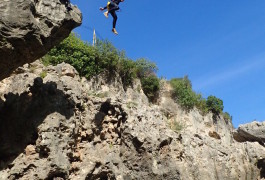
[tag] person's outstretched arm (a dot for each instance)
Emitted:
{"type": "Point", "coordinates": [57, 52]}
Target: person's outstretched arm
{"type": "Point", "coordinates": [101, 8]}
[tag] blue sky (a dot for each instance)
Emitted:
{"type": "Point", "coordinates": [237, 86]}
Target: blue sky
{"type": "Point", "coordinates": [219, 44]}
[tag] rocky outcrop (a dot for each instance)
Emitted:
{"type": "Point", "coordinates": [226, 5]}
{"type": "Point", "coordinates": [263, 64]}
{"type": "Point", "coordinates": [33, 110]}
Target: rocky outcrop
{"type": "Point", "coordinates": [30, 28]}
{"type": "Point", "coordinates": [62, 126]}
{"type": "Point", "coordinates": [252, 132]}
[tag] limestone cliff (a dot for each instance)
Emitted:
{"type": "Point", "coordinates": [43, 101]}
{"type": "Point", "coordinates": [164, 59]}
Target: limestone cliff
{"type": "Point", "coordinates": [30, 28]}
{"type": "Point", "coordinates": [66, 127]}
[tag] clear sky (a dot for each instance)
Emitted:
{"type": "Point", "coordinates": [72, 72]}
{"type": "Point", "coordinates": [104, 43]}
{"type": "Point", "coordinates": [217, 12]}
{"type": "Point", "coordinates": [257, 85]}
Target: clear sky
{"type": "Point", "coordinates": [219, 44]}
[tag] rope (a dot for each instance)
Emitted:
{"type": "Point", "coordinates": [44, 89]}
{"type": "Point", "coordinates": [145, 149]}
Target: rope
{"type": "Point", "coordinates": [92, 30]}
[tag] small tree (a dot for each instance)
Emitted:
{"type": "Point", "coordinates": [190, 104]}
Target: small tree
{"type": "Point", "coordinates": [182, 92]}
{"type": "Point", "coordinates": [201, 104]}
{"type": "Point", "coordinates": [145, 67]}
{"type": "Point", "coordinates": [151, 86]}
{"type": "Point", "coordinates": [146, 71]}
{"type": "Point", "coordinates": [215, 105]}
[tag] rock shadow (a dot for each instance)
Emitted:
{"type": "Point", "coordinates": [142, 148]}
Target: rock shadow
{"type": "Point", "coordinates": [261, 166]}
{"type": "Point", "coordinates": [21, 114]}
{"type": "Point", "coordinates": [108, 122]}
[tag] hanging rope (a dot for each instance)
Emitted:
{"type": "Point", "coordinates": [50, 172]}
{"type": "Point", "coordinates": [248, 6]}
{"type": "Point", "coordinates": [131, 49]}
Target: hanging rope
{"type": "Point", "coordinates": [92, 30]}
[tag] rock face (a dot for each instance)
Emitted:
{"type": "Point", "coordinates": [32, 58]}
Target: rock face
{"type": "Point", "coordinates": [30, 28]}
{"type": "Point", "coordinates": [66, 127]}
{"type": "Point", "coordinates": [252, 132]}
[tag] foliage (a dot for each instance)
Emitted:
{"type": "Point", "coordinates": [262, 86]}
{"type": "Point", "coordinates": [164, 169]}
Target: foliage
{"type": "Point", "coordinates": [43, 74]}
{"type": "Point", "coordinates": [145, 67]}
{"type": "Point", "coordinates": [131, 104]}
{"type": "Point", "coordinates": [127, 71]}
{"type": "Point", "coordinates": [214, 104]}
{"type": "Point", "coordinates": [150, 85]}
{"type": "Point", "coordinates": [182, 92]}
{"type": "Point", "coordinates": [91, 60]}
{"type": "Point", "coordinates": [227, 116]}
{"type": "Point", "coordinates": [77, 53]}
{"type": "Point", "coordinates": [188, 99]}
{"type": "Point", "coordinates": [201, 104]}
{"type": "Point", "coordinates": [176, 126]}
{"type": "Point", "coordinates": [145, 70]}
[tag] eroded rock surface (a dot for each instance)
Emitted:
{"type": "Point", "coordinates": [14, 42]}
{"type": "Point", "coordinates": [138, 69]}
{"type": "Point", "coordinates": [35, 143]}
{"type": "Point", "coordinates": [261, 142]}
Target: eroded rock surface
{"type": "Point", "coordinates": [66, 127]}
{"type": "Point", "coordinates": [30, 28]}
{"type": "Point", "coordinates": [251, 132]}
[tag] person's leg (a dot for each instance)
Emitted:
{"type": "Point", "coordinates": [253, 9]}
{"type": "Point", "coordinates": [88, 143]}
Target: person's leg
{"type": "Point", "coordinates": [114, 15]}
{"type": "Point", "coordinates": [112, 10]}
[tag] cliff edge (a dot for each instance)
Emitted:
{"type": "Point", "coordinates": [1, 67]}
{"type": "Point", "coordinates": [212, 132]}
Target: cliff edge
{"type": "Point", "coordinates": [30, 28]}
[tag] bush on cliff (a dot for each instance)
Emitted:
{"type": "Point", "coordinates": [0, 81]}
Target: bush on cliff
{"type": "Point", "coordinates": [188, 99]}
{"type": "Point", "coordinates": [146, 72]}
{"type": "Point", "coordinates": [151, 86]}
{"type": "Point", "coordinates": [182, 92]}
{"type": "Point", "coordinates": [91, 60]}
{"type": "Point", "coordinates": [215, 105]}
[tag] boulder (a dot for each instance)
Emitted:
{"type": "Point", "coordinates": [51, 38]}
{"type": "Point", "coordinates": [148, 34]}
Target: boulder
{"type": "Point", "coordinates": [252, 132]}
{"type": "Point", "coordinates": [30, 28]}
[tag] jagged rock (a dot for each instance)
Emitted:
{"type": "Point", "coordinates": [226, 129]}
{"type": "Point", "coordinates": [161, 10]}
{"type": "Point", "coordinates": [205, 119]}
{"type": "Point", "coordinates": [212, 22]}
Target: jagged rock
{"type": "Point", "coordinates": [252, 132]}
{"type": "Point", "coordinates": [30, 28]}
{"type": "Point", "coordinates": [60, 127]}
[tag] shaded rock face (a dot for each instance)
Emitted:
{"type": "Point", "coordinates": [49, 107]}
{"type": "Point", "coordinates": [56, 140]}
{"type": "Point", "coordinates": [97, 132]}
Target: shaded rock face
{"type": "Point", "coordinates": [66, 127]}
{"type": "Point", "coordinates": [30, 28]}
{"type": "Point", "coordinates": [261, 166]}
{"type": "Point", "coordinates": [31, 107]}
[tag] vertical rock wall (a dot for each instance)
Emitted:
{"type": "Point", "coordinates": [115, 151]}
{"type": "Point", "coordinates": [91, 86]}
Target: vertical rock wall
{"type": "Point", "coordinates": [66, 127]}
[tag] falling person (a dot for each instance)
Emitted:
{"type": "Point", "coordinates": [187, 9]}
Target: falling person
{"type": "Point", "coordinates": [112, 7]}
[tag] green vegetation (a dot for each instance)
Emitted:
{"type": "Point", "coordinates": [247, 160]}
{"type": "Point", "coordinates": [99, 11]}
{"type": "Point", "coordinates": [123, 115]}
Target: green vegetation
{"type": "Point", "coordinates": [131, 104]}
{"type": "Point", "coordinates": [146, 70]}
{"type": "Point", "coordinates": [201, 104]}
{"type": "Point", "coordinates": [91, 60]}
{"type": "Point", "coordinates": [214, 104]}
{"type": "Point", "coordinates": [43, 74]}
{"type": "Point", "coordinates": [182, 92]}
{"type": "Point", "coordinates": [176, 126]}
{"type": "Point", "coordinates": [151, 85]}
{"type": "Point", "coordinates": [227, 117]}
{"type": "Point", "coordinates": [188, 99]}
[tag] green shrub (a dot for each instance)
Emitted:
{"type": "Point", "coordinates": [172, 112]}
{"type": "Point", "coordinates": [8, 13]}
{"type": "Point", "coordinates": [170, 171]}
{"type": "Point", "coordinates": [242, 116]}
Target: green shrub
{"type": "Point", "coordinates": [201, 104]}
{"type": "Point", "coordinates": [145, 67]}
{"type": "Point", "coordinates": [127, 71]}
{"type": "Point", "coordinates": [227, 116]}
{"type": "Point", "coordinates": [77, 53]}
{"type": "Point", "coordinates": [182, 93]}
{"type": "Point", "coordinates": [91, 60]}
{"type": "Point", "coordinates": [151, 86]}
{"type": "Point", "coordinates": [176, 126]}
{"type": "Point", "coordinates": [215, 105]}
{"type": "Point", "coordinates": [43, 74]}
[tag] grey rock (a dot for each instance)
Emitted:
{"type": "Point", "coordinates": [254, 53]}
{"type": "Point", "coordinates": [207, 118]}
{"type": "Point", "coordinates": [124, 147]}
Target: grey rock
{"type": "Point", "coordinates": [252, 132]}
{"type": "Point", "coordinates": [60, 128]}
{"type": "Point", "coordinates": [30, 28]}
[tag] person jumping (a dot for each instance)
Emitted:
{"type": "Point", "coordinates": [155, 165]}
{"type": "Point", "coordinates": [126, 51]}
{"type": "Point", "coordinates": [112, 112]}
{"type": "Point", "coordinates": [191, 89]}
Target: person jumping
{"type": "Point", "coordinates": [112, 7]}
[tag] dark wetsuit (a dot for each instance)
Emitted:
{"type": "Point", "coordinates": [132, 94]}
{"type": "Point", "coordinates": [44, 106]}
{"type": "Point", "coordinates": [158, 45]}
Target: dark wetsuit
{"type": "Point", "coordinates": [112, 8]}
